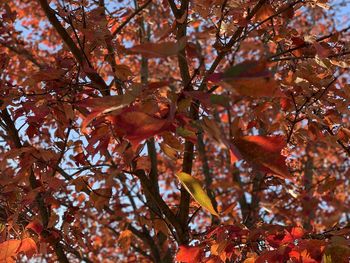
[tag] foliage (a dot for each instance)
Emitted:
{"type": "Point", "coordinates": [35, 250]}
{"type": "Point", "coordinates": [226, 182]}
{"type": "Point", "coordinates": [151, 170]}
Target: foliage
{"type": "Point", "coordinates": [168, 130]}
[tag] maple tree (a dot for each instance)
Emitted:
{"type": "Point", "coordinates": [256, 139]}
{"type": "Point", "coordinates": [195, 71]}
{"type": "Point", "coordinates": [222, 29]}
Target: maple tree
{"type": "Point", "coordinates": [162, 131]}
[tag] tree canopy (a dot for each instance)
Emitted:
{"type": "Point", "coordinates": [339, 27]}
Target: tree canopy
{"type": "Point", "coordinates": [174, 131]}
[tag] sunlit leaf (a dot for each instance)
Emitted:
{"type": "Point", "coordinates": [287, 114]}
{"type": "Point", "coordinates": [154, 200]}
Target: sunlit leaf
{"type": "Point", "coordinates": [194, 187]}
{"type": "Point", "coordinates": [11, 248]}
{"type": "Point", "coordinates": [169, 151]}
{"type": "Point", "coordinates": [125, 239]}
{"type": "Point", "coordinates": [187, 254]}
{"type": "Point", "coordinates": [264, 12]}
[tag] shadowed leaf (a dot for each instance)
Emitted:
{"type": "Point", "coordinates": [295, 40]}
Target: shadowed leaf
{"type": "Point", "coordinates": [159, 50]}
{"type": "Point", "coordinates": [263, 152]}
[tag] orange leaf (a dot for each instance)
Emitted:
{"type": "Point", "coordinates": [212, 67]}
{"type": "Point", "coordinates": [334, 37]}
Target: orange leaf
{"type": "Point", "coordinates": [264, 12]}
{"type": "Point", "coordinates": [28, 247]}
{"type": "Point", "coordinates": [188, 254]}
{"type": "Point", "coordinates": [301, 256]}
{"type": "Point", "coordinates": [11, 248]}
{"type": "Point", "coordinates": [125, 239]}
{"type": "Point", "coordinates": [8, 250]}
{"type": "Point", "coordinates": [297, 232]}
{"type": "Point", "coordinates": [263, 152]}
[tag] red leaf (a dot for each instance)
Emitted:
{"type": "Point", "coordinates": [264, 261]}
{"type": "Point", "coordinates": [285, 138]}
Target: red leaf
{"type": "Point", "coordinates": [35, 226]}
{"type": "Point", "coordinates": [250, 78]}
{"type": "Point", "coordinates": [136, 125]}
{"type": "Point", "coordinates": [159, 50]}
{"type": "Point", "coordinates": [308, 251]}
{"type": "Point", "coordinates": [263, 152]}
{"type": "Point", "coordinates": [297, 232]}
{"type": "Point", "coordinates": [188, 254]}
{"type": "Point", "coordinates": [279, 255]}
{"type": "Point", "coordinates": [279, 238]}
{"type": "Point", "coordinates": [106, 105]}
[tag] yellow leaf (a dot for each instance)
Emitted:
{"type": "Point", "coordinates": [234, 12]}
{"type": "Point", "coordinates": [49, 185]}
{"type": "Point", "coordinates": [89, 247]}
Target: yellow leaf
{"type": "Point", "coordinates": [169, 151]}
{"type": "Point", "coordinates": [251, 258]}
{"type": "Point", "coordinates": [193, 186]}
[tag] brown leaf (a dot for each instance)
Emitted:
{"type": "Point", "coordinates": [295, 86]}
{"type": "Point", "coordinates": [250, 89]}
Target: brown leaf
{"type": "Point", "coordinates": [123, 72]}
{"type": "Point", "coordinates": [35, 226]}
{"type": "Point", "coordinates": [49, 74]}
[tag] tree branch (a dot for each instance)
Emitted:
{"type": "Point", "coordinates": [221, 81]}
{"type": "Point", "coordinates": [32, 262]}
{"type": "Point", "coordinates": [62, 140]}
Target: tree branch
{"type": "Point", "coordinates": [25, 53]}
{"type": "Point", "coordinates": [305, 44]}
{"type": "Point", "coordinates": [158, 200]}
{"type": "Point", "coordinates": [186, 81]}
{"type": "Point", "coordinates": [97, 80]}
{"type": "Point", "coordinates": [229, 45]}
{"type": "Point", "coordinates": [136, 12]}
{"type": "Point", "coordinates": [44, 212]}
{"type": "Point", "coordinates": [147, 239]}
{"type": "Point", "coordinates": [111, 55]}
